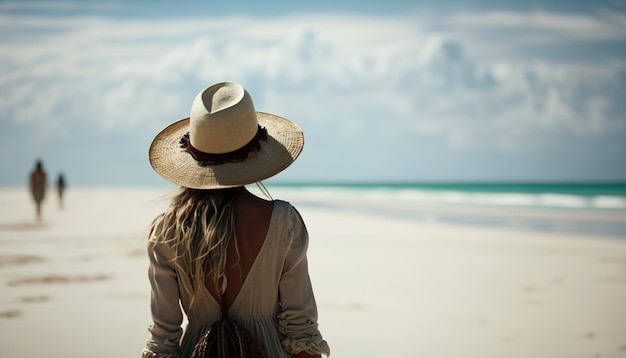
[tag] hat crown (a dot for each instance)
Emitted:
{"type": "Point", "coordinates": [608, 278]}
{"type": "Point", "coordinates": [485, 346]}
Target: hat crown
{"type": "Point", "coordinates": [223, 119]}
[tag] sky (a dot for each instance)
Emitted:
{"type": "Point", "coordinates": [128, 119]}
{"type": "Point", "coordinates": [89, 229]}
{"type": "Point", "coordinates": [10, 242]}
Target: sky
{"type": "Point", "coordinates": [385, 91]}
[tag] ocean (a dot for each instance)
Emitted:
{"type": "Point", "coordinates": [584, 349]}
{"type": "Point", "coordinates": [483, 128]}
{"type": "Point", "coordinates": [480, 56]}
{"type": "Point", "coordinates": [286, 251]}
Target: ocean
{"type": "Point", "coordinates": [593, 196]}
{"type": "Point", "coordinates": [573, 208]}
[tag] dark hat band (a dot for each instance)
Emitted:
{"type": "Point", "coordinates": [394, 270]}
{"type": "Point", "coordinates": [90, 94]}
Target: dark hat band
{"type": "Point", "coordinates": [236, 156]}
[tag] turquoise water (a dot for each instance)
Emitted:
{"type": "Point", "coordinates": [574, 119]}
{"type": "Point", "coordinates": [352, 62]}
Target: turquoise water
{"type": "Point", "coordinates": [571, 208]}
{"type": "Point", "coordinates": [594, 196]}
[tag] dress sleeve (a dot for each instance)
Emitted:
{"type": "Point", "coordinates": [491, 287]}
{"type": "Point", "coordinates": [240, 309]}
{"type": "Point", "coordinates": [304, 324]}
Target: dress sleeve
{"type": "Point", "coordinates": [298, 319]}
{"type": "Point", "coordinates": [166, 330]}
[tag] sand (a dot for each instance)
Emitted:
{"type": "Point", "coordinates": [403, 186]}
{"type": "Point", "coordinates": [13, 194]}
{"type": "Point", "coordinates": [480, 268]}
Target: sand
{"type": "Point", "coordinates": [387, 285]}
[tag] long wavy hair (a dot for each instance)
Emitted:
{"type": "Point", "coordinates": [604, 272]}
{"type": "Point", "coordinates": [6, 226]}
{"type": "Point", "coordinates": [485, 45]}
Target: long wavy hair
{"type": "Point", "coordinates": [198, 225]}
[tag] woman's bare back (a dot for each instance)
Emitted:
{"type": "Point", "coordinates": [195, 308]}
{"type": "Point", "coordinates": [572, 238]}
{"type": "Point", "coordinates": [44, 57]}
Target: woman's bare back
{"type": "Point", "coordinates": [252, 221]}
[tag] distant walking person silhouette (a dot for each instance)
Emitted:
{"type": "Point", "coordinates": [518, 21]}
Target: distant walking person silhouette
{"type": "Point", "coordinates": [38, 186]}
{"type": "Point", "coordinates": [61, 188]}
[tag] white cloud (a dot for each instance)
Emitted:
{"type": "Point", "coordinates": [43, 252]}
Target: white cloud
{"type": "Point", "coordinates": [385, 76]}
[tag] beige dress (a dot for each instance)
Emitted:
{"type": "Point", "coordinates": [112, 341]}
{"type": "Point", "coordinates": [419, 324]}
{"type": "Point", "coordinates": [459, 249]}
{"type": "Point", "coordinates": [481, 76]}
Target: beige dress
{"type": "Point", "coordinates": [275, 303]}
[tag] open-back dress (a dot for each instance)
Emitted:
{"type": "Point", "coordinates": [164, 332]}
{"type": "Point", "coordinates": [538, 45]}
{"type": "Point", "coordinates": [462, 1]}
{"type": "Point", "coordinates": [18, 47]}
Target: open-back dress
{"type": "Point", "coordinates": [275, 303]}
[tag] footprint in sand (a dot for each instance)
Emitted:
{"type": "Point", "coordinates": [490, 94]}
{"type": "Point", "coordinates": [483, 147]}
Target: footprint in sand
{"type": "Point", "coordinates": [23, 226]}
{"type": "Point", "coordinates": [10, 314]}
{"type": "Point", "coordinates": [7, 260]}
{"type": "Point", "coordinates": [32, 299]}
{"type": "Point", "coordinates": [57, 279]}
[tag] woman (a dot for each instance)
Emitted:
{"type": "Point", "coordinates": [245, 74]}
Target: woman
{"type": "Point", "coordinates": [218, 242]}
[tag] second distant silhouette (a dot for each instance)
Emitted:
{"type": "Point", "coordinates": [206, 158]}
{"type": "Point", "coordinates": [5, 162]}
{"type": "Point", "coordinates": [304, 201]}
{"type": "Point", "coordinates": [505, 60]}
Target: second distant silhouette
{"type": "Point", "coordinates": [61, 185]}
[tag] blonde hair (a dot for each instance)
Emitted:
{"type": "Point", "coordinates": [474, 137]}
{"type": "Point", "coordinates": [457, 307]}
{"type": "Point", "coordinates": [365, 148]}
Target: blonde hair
{"type": "Point", "coordinates": [198, 225]}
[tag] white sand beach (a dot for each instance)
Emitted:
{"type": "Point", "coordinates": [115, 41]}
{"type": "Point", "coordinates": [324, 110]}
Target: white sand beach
{"type": "Point", "coordinates": [411, 285]}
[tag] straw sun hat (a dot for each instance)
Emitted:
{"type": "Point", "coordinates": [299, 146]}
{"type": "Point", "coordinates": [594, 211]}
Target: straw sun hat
{"type": "Point", "coordinates": [225, 142]}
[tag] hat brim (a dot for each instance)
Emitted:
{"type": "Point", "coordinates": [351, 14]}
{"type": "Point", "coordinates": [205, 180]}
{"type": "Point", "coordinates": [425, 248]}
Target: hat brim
{"type": "Point", "coordinates": [174, 164]}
